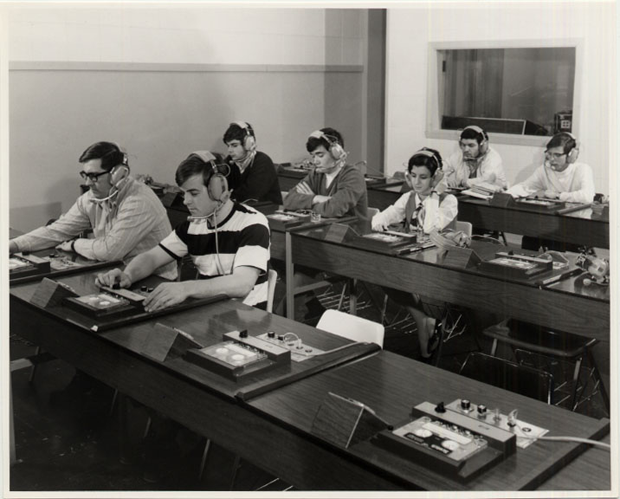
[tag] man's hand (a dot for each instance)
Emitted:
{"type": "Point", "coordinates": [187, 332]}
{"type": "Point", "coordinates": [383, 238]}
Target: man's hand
{"type": "Point", "coordinates": [115, 276]}
{"type": "Point", "coordinates": [303, 188]}
{"type": "Point", "coordinates": [551, 194]}
{"type": "Point", "coordinates": [13, 247]}
{"type": "Point", "coordinates": [318, 199]}
{"type": "Point", "coordinates": [166, 295]}
{"type": "Point", "coordinates": [66, 246]}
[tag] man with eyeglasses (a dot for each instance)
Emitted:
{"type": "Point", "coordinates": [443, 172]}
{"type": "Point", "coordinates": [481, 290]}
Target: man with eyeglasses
{"type": "Point", "coordinates": [125, 216]}
{"type": "Point", "coordinates": [560, 177]}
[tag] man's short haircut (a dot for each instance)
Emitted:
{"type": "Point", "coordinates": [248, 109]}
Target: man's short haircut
{"type": "Point", "coordinates": [470, 133]}
{"type": "Point", "coordinates": [236, 132]}
{"type": "Point", "coordinates": [108, 152]}
{"type": "Point", "coordinates": [330, 136]}
{"type": "Point", "coordinates": [194, 165]}
{"type": "Point", "coordinates": [430, 158]}
{"type": "Point", "coordinates": [564, 140]}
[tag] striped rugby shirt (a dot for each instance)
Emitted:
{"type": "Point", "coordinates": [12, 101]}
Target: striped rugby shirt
{"type": "Point", "coordinates": [242, 241]}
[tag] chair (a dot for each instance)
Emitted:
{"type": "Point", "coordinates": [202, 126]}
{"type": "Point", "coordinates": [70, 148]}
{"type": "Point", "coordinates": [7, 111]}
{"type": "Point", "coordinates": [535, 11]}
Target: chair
{"type": "Point", "coordinates": [465, 227]}
{"type": "Point", "coordinates": [528, 339]}
{"type": "Point", "coordinates": [351, 327]}
{"type": "Point", "coordinates": [517, 378]}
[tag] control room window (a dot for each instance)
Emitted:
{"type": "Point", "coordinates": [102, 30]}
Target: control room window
{"type": "Point", "coordinates": [527, 91]}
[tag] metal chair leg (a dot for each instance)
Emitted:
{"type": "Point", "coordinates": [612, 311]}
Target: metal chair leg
{"type": "Point", "coordinates": [203, 461]}
{"type": "Point", "coordinates": [576, 380]}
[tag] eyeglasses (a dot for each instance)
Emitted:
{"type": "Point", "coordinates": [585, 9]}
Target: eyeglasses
{"type": "Point", "coordinates": [554, 155]}
{"type": "Point", "coordinates": [93, 177]}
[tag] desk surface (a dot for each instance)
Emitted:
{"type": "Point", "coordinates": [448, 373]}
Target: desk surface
{"type": "Point", "coordinates": [560, 305]}
{"type": "Point", "coordinates": [391, 385]}
{"type": "Point", "coordinates": [207, 325]}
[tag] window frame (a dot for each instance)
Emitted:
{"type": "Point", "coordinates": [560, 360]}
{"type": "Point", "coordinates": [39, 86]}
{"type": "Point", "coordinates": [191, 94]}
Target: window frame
{"type": "Point", "coordinates": [433, 119]}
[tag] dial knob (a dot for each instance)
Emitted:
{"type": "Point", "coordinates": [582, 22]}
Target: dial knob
{"type": "Point", "coordinates": [465, 404]}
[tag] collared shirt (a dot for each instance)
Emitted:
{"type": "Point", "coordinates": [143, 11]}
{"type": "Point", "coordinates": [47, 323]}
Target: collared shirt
{"type": "Point", "coordinates": [489, 169]}
{"type": "Point", "coordinates": [129, 223]}
{"type": "Point", "coordinates": [434, 213]}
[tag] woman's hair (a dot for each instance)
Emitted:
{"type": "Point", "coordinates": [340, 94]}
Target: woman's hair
{"type": "Point", "coordinates": [426, 157]}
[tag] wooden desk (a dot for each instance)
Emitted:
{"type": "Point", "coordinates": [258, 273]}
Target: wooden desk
{"type": "Point", "coordinates": [560, 306]}
{"type": "Point", "coordinates": [391, 385]}
{"type": "Point", "coordinates": [273, 436]}
{"type": "Point", "coordinates": [580, 227]}
{"type": "Point", "coordinates": [200, 400]}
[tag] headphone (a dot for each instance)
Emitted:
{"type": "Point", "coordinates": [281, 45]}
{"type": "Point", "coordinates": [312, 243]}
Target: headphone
{"type": "Point", "coordinates": [249, 140]}
{"type": "Point", "coordinates": [216, 182]}
{"type": "Point", "coordinates": [335, 149]}
{"type": "Point", "coordinates": [118, 173]}
{"type": "Point", "coordinates": [484, 144]}
{"type": "Point", "coordinates": [428, 154]}
{"type": "Point", "coordinates": [573, 154]}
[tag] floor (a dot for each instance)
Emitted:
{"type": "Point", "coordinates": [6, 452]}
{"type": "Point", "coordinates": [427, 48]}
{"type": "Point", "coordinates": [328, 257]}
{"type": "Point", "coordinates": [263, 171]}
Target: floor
{"type": "Point", "coordinates": [67, 438]}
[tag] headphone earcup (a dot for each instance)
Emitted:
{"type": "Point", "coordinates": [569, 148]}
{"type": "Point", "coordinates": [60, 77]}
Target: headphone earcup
{"type": "Point", "coordinates": [117, 175]}
{"type": "Point", "coordinates": [249, 143]}
{"type": "Point", "coordinates": [572, 155]}
{"type": "Point", "coordinates": [336, 151]}
{"type": "Point", "coordinates": [218, 186]}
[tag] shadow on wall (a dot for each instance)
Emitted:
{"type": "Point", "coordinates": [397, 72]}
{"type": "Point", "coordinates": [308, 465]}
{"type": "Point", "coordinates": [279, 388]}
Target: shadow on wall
{"type": "Point", "coordinates": [524, 172]}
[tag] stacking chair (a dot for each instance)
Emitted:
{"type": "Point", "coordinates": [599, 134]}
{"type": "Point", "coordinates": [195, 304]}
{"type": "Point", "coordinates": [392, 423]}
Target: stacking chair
{"type": "Point", "coordinates": [528, 339]}
{"type": "Point", "coordinates": [352, 327]}
{"type": "Point", "coordinates": [517, 378]}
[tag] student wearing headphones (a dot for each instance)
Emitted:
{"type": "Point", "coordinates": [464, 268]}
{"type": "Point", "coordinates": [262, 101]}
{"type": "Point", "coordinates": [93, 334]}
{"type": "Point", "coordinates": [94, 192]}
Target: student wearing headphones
{"type": "Point", "coordinates": [253, 176]}
{"type": "Point", "coordinates": [334, 188]}
{"type": "Point", "coordinates": [560, 176]}
{"type": "Point", "coordinates": [125, 216]}
{"type": "Point", "coordinates": [476, 162]}
{"type": "Point", "coordinates": [424, 208]}
{"type": "Point", "coordinates": [227, 241]}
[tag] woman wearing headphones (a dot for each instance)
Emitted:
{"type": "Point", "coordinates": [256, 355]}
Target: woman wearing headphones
{"type": "Point", "coordinates": [476, 162]}
{"type": "Point", "coordinates": [560, 176]}
{"type": "Point", "coordinates": [423, 209]}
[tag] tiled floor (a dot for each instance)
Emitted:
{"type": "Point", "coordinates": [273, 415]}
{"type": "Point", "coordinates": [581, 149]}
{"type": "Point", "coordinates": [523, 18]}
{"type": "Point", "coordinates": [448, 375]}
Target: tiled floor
{"type": "Point", "coordinates": [72, 442]}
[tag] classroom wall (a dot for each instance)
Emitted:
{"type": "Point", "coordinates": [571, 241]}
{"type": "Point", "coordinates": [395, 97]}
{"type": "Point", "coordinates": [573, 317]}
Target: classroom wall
{"type": "Point", "coordinates": [410, 31]}
{"type": "Point", "coordinates": [163, 81]}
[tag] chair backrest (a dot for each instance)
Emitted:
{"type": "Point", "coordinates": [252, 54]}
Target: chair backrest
{"type": "Point", "coordinates": [465, 227]}
{"type": "Point", "coordinates": [272, 277]}
{"type": "Point", "coordinates": [523, 380]}
{"type": "Point", "coordinates": [351, 327]}
{"type": "Point", "coordinates": [372, 212]}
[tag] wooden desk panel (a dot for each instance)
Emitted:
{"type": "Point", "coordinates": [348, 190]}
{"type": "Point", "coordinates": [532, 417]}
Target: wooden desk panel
{"type": "Point", "coordinates": [576, 228]}
{"type": "Point", "coordinates": [391, 385]}
{"type": "Point", "coordinates": [557, 307]}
